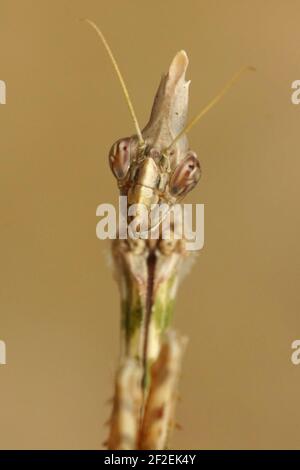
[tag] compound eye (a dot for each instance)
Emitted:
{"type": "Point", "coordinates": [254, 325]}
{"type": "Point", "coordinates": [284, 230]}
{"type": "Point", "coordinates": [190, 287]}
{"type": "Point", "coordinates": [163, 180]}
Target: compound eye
{"type": "Point", "coordinates": [185, 176]}
{"type": "Point", "coordinates": [119, 158]}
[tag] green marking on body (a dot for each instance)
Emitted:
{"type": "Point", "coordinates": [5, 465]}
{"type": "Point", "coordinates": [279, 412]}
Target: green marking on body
{"type": "Point", "coordinates": [163, 307]}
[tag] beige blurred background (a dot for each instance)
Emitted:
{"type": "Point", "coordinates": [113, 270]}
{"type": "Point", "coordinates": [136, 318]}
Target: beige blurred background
{"type": "Point", "coordinates": [59, 304]}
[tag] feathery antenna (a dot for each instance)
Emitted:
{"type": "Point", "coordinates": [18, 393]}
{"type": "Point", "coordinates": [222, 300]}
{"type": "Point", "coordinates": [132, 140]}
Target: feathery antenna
{"type": "Point", "coordinates": [120, 77]}
{"type": "Point", "coordinates": [211, 104]}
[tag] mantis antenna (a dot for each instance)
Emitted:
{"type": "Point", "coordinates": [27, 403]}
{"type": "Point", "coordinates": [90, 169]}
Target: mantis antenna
{"type": "Point", "coordinates": [120, 77]}
{"type": "Point", "coordinates": [211, 104]}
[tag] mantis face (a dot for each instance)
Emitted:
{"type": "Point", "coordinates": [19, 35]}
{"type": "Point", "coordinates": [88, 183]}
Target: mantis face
{"type": "Point", "coordinates": [145, 174]}
{"type": "Point", "coordinates": [155, 166]}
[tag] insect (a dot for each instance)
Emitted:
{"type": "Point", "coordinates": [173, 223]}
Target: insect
{"type": "Point", "coordinates": [153, 166]}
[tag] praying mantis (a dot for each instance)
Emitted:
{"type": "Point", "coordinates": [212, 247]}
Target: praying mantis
{"type": "Point", "coordinates": [153, 166]}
